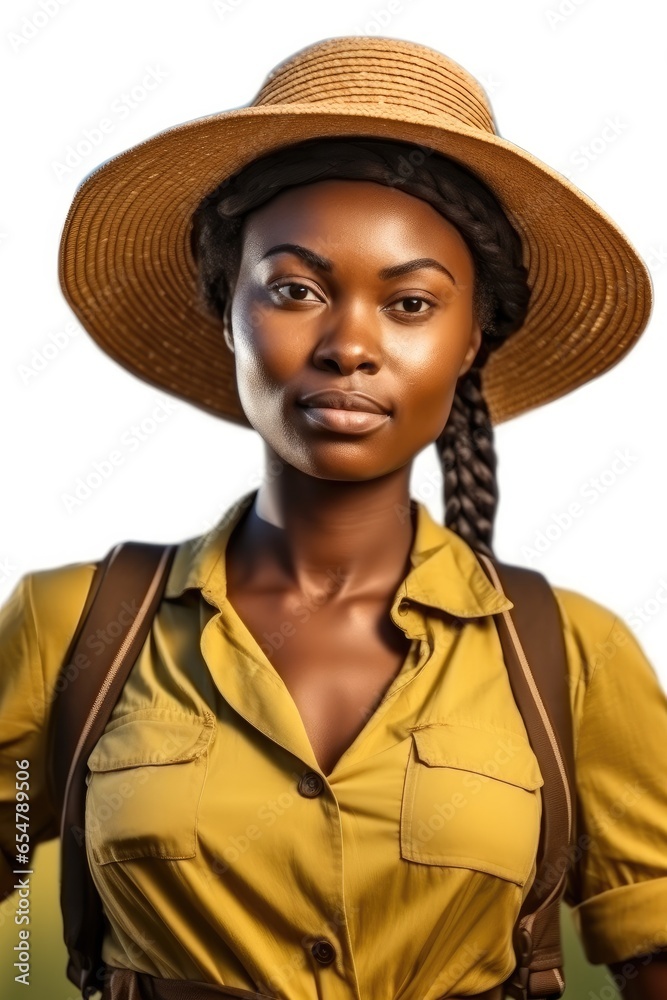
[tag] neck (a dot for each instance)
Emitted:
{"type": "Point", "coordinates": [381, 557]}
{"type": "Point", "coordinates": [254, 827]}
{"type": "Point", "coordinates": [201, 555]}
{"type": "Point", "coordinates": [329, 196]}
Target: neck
{"type": "Point", "coordinates": [302, 532]}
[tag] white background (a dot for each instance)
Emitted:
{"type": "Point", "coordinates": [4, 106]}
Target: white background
{"type": "Point", "coordinates": [554, 72]}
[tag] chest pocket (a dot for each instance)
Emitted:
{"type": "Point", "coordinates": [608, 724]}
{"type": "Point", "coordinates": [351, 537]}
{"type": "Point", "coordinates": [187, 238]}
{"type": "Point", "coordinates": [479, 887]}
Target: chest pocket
{"type": "Point", "coordinates": [147, 772]}
{"type": "Point", "coordinates": [471, 800]}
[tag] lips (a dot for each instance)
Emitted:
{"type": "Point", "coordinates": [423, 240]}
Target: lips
{"type": "Point", "coordinates": [337, 399]}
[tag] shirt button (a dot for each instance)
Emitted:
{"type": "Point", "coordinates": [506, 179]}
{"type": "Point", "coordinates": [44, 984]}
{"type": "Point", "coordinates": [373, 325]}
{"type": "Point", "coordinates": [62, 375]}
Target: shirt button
{"type": "Point", "coordinates": [403, 608]}
{"type": "Point", "coordinates": [310, 784]}
{"type": "Point", "coordinates": [323, 951]}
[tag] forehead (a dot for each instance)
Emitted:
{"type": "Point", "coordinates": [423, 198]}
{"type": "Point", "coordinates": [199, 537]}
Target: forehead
{"type": "Point", "coordinates": [337, 215]}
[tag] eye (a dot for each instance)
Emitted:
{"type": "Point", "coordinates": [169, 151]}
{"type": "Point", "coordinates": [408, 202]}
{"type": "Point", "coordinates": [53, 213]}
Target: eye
{"type": "Point", "coordinates": [415, 302]}
{"type": "Point", "coordinates": [301, 289]}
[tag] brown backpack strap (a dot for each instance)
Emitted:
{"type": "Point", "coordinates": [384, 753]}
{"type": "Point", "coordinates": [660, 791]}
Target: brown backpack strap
{"type": "Point", "coordinates": [123, 598]}
{"type": "Point", "coordinates": [531, 635]}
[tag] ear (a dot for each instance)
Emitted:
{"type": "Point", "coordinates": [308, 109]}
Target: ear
{"type": "Point", "coordinates": [227, 325]}
{"type": "Point", "coordinates": [473, 348]}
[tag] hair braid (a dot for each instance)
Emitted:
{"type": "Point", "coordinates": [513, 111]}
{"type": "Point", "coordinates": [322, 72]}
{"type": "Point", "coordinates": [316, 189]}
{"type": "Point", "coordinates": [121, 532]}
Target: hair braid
{"type": "Point", "coordinates": [468, 460]}
{"type": "Point", "coordinates": [500, 294]}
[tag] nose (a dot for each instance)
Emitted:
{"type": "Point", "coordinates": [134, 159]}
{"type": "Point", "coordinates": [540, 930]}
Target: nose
{"type": "Point", "coordinates": [348, 345]}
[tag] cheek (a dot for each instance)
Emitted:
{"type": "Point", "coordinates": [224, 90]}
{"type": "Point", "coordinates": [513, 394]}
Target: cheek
{"type": "Point", "coordinates": [266, 355]}
{"type": "Point", "coordinates": [428, 381]}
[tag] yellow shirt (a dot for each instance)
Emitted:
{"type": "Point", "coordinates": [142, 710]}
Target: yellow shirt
{"type": "Point", "coordinates": [223, 853]}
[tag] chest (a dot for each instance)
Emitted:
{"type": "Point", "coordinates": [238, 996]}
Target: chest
{"type": "Point", "coordinates": [337, 662]}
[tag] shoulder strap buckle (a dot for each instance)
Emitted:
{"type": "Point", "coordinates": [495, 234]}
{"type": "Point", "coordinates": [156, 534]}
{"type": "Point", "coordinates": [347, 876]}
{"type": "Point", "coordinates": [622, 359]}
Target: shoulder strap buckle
{"type": "Point", "coordinates": [517, 985]}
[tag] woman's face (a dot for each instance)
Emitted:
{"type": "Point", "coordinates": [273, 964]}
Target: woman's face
{"type": "Point", "coordinates": [374, 296]}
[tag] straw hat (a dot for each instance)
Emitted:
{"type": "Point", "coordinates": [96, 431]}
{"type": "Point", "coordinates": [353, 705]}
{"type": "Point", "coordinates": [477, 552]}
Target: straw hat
{"type": "Point", "coordinates": [127, 270]}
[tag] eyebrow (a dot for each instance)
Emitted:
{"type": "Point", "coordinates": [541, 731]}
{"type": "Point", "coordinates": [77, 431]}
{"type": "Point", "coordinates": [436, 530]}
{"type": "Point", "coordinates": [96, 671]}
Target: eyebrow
{"type": "Point", "coordinates": [319, 263]}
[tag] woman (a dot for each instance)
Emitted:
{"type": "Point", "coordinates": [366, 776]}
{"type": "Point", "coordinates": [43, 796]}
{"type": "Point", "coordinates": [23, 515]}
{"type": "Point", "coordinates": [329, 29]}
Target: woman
{"type": "Point", "coordinates": [316, 781]}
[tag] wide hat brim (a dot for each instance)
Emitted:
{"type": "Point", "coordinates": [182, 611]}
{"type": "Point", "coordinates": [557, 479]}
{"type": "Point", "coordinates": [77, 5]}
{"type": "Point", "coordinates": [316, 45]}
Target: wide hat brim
{"type": "Point", "coordinates": [127, 270]}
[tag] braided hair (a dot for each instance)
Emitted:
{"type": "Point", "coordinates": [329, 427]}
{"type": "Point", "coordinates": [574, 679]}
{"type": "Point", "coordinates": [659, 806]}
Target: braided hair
{"type": "Point", "coordinates": [465, 446]}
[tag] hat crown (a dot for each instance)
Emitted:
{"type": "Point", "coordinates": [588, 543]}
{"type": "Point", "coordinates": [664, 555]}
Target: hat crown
{"type": "Point", "coordinates": [127, 268]}
{"type": "Point", "coordinates": [379, 71]}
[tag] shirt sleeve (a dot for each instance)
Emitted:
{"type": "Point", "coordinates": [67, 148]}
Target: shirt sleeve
{"type": "Point", "coordinates": [617, 886]}
{"type": "Point", "coordinates": [37, 622]}
{"type": "Point", "coordinates": [22, 710]}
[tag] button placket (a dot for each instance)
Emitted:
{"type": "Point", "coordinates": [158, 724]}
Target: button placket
{"type": "Point", "coordinates": [323, 951]}
{"type": "Point", "coordinates": [310, 784]}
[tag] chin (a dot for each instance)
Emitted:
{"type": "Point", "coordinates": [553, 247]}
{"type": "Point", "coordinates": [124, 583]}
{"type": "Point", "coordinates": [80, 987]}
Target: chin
{"type": "Point", "coordinates": [346, 461]}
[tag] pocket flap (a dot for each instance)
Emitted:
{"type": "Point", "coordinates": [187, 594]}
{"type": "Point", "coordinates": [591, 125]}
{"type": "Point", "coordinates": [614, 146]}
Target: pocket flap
{"type": "Point", "coordinates": [501, 754]}
{"type": "Point", "coordinates": [152, 736]}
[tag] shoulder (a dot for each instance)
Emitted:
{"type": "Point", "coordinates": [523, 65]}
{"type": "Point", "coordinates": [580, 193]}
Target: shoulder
{"type": "Point", "coordinates": [57, 596]}
{"type": "Point", "coordinates": [610, 673]}
{"type": "Point", "coordinates": [37, 622]}
{"type": "Point", "coordinates": [45, 599]}
{"type": "Point", "coordinates": [597, 628]}
{"type": "Point", "coordinates": [589, 627]}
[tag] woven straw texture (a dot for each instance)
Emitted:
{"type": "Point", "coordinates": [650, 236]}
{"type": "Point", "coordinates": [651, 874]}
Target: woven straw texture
{"type": "Point", "coordinates": [127, 270]}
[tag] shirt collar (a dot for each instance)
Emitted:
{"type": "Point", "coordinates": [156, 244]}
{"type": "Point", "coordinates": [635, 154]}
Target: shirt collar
{"type": "Point", "coordinates": [446, 573]}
